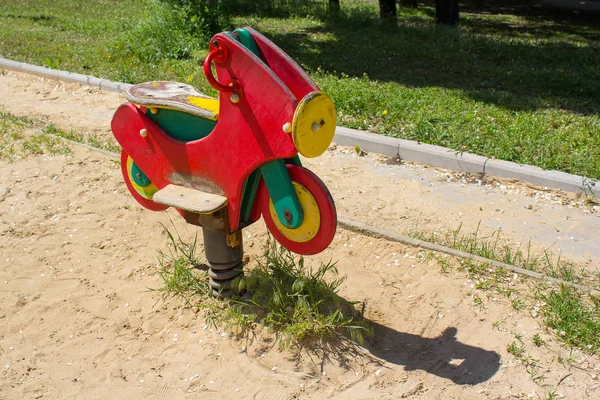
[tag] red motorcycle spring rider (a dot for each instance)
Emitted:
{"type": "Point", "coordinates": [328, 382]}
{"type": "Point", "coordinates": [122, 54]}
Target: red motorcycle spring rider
{"type": "Point", "coordinates": [225, 162]}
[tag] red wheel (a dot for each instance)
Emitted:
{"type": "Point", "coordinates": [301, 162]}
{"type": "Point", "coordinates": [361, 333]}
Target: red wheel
{"type": "Point", "coordinates": [320, 218]}
{"type": "Point", "coordinates": [140, 186]}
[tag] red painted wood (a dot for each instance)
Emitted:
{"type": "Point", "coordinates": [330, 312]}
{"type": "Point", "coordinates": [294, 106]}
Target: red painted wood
{"type": "Point", "coordinates": [292, 75]}
{"type": "Point", "coordinates": [326, 206]}
{"type": "Point", "coordinates": [208, 71]}
{"type": "Point", "coordinates": [247, 134]}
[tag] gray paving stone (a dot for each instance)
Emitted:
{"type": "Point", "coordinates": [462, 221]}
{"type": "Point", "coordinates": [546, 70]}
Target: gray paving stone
{"type": "Point", "coordinates": [369, 142]}
{"type": "Point", "coordinates": [540, 177]}
{"type": "Point", "coordinates": [110, 86]}
{"type": "Point", "coordinates": [441, 157]}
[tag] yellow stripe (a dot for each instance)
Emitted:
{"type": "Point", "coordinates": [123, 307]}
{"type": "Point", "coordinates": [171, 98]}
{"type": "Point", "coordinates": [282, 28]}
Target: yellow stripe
{"type": "Point", "coordinates": [208, 104]}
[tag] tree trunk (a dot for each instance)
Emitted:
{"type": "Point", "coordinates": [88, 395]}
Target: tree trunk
{"type": "Point", "coordinates": [446, 12]}
{"type": "Point", "coordinates": [387, 10]}
{"type": "Point", "coordinates": [334, 6]}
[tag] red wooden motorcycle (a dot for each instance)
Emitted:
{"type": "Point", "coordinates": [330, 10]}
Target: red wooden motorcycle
{"type": "Point", "coordinates": [225, 162]}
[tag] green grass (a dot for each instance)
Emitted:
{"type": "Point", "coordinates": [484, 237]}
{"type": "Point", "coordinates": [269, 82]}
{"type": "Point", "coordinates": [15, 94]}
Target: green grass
{"type": "Point", "coordinates": [517, 349]}
{"type": "Point", "coordinates": [22, 136]}
{"type": "Point", "coordinates": [573, 316]}
{"type": "Point", "coordinates": [514, 86]}
{"type": "Point", "coordinates": [299, 304]}
{"type": "Point", "coordinates": [81, 137]}
{"type": "Point", "coordinates": [494, 247]}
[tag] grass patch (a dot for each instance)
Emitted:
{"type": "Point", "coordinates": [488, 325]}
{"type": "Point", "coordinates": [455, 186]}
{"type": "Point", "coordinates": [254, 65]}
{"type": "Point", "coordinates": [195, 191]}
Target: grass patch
{"type": "Point", "coordinates": [22, 136]}
{"type": "Point", "coordinates": [178, 272]}
{"type": "Point", "coordinates": [517, 349]}
{"type": "Point", "coordinates": [80, 137]}
{"type": "Point", "coordinates": [510, 85]}
{"type": "Point", "coordinates": [299, 304]}
{"type": "Point", "coordinates": [574, 317]}
{"type": "Point", "coordinates": [494, 247]}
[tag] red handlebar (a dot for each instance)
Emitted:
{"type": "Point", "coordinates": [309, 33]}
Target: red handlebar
{"type": "Point", "coordinates": [218, 53]}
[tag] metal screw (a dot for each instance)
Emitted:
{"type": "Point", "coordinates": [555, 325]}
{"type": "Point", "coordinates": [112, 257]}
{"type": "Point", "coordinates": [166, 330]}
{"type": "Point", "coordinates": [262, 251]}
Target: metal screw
{"type": "Point", "coordinates": [235, 98]}
{"type": "Point", "coordinates": [138, 176]}
{"type": "Point", "coordinates": [143, 132]}
{"type": "Point", "coordinates": [287, 215]}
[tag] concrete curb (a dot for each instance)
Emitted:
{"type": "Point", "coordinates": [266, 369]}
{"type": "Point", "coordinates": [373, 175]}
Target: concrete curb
{"type": "Point", "coordinates": [66, 76]}
{"type": "Point", "coordinates": [441, 157]}
{"type": "Point", "coordinates": [408, 150]}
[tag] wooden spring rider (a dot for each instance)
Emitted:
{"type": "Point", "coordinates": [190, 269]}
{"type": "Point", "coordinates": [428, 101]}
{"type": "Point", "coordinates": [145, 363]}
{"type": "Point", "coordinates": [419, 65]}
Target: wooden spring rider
{"type": "Point", "coordinates": [222, 163]}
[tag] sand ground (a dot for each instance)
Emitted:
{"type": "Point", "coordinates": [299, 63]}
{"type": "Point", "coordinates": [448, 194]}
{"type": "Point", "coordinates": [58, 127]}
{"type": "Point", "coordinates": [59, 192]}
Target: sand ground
{"type": "Point", "coordinates": [78, 255]}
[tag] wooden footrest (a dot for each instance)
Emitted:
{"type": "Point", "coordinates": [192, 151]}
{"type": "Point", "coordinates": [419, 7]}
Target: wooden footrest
{"type": "Point", "coordinates": [189, 199]}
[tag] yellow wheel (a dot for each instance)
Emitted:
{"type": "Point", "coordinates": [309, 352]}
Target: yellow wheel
{"type": "Point", "coordinates": [311, 221]}
{"type": "Point", "coordinates": [140, 186]}
{"type": "Point", "coordinates": [318, 225]}
{"type": "Point", "coordinates": [313, 125]}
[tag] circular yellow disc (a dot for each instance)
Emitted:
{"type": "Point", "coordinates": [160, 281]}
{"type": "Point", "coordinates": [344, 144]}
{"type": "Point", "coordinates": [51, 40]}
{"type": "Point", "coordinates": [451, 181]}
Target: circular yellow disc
{"type": "Point", "coordinates": [145, 191]}
{"type": "Point", "coordinates": [313, 125]}
{"type": "Point", "coordinates": [311, 221]}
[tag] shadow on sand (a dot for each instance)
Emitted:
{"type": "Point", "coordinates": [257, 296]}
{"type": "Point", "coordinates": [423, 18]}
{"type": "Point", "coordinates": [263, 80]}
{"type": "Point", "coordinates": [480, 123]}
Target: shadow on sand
{"type": "Point", "coordinates": [443, 356]}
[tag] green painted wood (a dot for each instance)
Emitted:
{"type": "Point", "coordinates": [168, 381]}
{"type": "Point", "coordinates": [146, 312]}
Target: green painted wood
{"type": "Point", "coordinates": [138, 176]}
{"type": "Point", "coordinates": [250, 189]}
{"type": "Point", "coordinates": [245, 38]}
{"type": "Point", "coordinates": [182, 126]}
{"type": "Point", "coordinates": [294, 161]}
{"type": "Point", "coordinates": [282, 192]}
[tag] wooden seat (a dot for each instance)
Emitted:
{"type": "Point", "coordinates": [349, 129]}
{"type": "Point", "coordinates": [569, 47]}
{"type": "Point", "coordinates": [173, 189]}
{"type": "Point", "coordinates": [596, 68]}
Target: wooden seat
{"type": "Point", "coordinates": [189, 199]}
{"type": "Point", "coordinates": [174, 96]}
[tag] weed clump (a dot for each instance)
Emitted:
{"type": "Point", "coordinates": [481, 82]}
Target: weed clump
{"type": "Point", "coordinates": [20, 137]}
{"type": "Point", "coordinates": [298, 302]}
{"type": "Point", "coordinates": [300, 305]}
{"type": "Point", "coordinates": [575, 319]}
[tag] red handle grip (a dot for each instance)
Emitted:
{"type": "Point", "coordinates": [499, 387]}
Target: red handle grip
{"type": "Point", "coordinates": [217, 52]}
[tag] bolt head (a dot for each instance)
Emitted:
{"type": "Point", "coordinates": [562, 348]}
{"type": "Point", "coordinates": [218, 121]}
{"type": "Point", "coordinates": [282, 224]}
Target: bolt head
{"type": "Point", "coordinates": [235, 98]}
{"type": "Point", "coordinates": [287, 214]}
{"type": "Point", "coordinates": [143, 132]}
